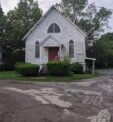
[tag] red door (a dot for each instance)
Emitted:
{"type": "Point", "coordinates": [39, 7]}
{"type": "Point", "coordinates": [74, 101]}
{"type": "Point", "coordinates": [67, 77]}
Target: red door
{"type": "Point", "coordinates": [53, 53]}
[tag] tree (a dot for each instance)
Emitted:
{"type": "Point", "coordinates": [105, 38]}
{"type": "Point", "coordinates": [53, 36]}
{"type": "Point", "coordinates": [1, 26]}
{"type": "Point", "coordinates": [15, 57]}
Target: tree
{"type": "Point", "coordinates": [72, 8]}
{"type": "Point", "coordinates": [3, 27]}
{"type": "Point", "coordinates": [22, 18]}
{"type": "Point", "coordinates": [14, 26]}
{"type": "Point", "coordinates": [94, 22]}
{"type": "Point", "coordinates": [87, 17]}
{"type": "Point", "coordinates": [102, 50]}
{"type": "Point", "coordinates": [1, 11]}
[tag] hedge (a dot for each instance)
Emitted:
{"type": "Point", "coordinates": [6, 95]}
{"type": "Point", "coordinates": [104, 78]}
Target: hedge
{"type": "Point", "coordinates": [77, 68]}
{"type": "Point", "coordinates": [27, 69]}
{"type": "Point", "coordinates": [60, 68]}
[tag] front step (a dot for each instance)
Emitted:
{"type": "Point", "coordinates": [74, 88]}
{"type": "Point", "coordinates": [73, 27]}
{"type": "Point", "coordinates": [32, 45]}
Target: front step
{"type": "Point", "coordinates": [43, 70]}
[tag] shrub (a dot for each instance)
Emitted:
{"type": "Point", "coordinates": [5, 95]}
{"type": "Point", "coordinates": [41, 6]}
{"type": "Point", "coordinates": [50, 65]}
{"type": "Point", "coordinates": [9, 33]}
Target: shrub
{"type": "Point", "coordinates": [8, 60]}
{"type": "Point", "coordinates": [60, 68]}
{"type": "Point", "coordinates": [8, 64]}
{"type": "Point", "coordinates": [67, 59]}
{"type": "Point", "coordinates": [77, 68]}
{"type": "Point", "coordinates": [18, 55]}
{"type": "Point", "coordinates": [27, 69]}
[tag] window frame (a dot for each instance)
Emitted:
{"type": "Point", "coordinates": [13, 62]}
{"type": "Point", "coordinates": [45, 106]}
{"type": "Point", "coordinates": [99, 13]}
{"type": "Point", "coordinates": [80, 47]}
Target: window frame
{"type": "Point", "coordinates": [71, 49]}
{"type": "Point", "coordinates": [37, 49]}
{"type": "Point", "coordinates": [54, 27]}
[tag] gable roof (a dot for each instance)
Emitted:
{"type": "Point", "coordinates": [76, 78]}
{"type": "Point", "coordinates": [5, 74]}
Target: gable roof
{"type": "Point", "coordinates": [50, 41]}
{"type": "Point", "coordinates": [48, 37]}
{"type": "Point", "coordinates": [43, 17]}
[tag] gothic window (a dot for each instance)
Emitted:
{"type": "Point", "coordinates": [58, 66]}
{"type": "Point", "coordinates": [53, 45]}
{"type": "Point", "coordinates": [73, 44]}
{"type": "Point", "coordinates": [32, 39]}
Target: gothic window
{"type": "Point", "coordinates": [71, 49]}
{"type": "Point", "coordinates": [54, 28]}
{"type": "Point", "coordinates": [37, 50]}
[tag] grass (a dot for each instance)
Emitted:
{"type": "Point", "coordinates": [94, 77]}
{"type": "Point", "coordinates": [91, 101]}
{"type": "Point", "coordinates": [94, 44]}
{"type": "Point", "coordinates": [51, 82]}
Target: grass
{"type": "Point", "coordinates": [12, 75]}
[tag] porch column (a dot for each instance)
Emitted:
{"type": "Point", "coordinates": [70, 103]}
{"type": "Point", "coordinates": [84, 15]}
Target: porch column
{"type": "Point", "coordinates": [93, 66]}
{"type": "Point", "coordinates": [40, 54]}
{"type": "Point", "coordinates": [60, 52]}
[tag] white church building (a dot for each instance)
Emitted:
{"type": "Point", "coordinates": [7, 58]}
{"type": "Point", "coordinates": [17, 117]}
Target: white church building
{"type": "Point", "coordinates": [53, 38]}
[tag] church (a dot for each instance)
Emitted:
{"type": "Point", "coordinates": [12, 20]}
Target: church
{"type": "Point", "coordinates": [53, 38]}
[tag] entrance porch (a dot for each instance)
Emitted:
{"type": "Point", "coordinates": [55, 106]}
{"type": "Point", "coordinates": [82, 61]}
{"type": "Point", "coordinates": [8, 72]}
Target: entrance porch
{"type": "Point", "coordinates": [51, 50]}
{"type": "Point", "coordinates": [53, 54]}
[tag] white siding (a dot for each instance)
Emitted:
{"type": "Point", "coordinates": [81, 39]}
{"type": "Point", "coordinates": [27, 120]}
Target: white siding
{"type": "Point", "coordinates": [68, 32]}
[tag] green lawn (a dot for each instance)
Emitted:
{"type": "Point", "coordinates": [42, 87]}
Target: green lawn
{"type": "Point", "coordinates": [12, 75]}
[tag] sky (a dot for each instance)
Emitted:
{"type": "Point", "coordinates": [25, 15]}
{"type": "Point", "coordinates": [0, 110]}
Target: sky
{"type": "Point", "coordinates": [45, 4]}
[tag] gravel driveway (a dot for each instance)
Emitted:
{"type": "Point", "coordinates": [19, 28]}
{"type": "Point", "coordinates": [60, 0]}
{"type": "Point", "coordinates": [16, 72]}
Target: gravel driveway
{"type": "Point", "coordinates": [86, 101]}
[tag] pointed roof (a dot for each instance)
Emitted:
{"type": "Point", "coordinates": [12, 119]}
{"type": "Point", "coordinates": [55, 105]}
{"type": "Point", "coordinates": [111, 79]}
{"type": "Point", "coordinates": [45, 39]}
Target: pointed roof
{"type": "Point", "coordinates": [43, 17]}
{"type": "Point", "coordinates": [50, 41]}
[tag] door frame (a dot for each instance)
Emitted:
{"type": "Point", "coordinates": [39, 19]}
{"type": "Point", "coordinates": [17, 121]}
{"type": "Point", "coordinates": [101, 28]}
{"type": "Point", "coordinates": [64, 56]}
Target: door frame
{"type": "Point", "coordinates": [51, 56]}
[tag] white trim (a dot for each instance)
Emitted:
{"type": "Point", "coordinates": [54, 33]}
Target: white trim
{"type": "Point", "coordinates": [46, 39]}
{"type": "Point", "coordinates": [93, 59]}
{"type": "Point", "coordinates": [52, 7]}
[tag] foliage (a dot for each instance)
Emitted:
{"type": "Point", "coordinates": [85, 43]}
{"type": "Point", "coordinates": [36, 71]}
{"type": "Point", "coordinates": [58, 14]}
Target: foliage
{"type": "Point", "coordinates": [22, 18]}
{"type": "Point", "coordinates": [3, 27]}
{"type": "Point", "coordinates": [18, 55]}
{"type": "Point", "coordinates": [8, 60]}
{"type": "Point", "coordinates": [27, 69]}
{"type": "Point", "coordinates": [95, 22]}
{"type": "Point", "coordinates": [60, 68]}
{"type": "Point", "coordinates": [67, 59]}
{"type": "Point", "coordinates": [72, 8]}
{"type": "Point", "coordinates": [77, 68]}
{"type": "Point", "coordinates": [102, 50]}
{"type": "Point", "coordinates": [87, 17]}
{"type": "Point", "coordinates": [1, 11]}
{"type": "Point", "coordinates": [14, 26]}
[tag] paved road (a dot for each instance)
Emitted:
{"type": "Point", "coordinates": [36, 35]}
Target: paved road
{"type": "Point", "coordinates": [86, 101]}
{"type": "Point", "coordinates": [106, 72]}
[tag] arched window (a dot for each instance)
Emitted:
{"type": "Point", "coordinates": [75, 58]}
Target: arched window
{"type": "Point", "coordinates": [71, 49]}
{"type": "Point", "coordinates": [54, 28]}
{"type": "Point", "coordinates": [37, 50]}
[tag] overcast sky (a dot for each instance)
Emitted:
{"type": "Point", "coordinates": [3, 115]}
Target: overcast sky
{"type": "Point", "coordinates": [45, 4]}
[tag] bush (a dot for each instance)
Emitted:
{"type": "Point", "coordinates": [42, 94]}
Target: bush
{"type": "Point", "coordinates": [60, 68]}
{"type": "Point", "coordinates": [18, 55]}
{"type": "Point", "coordinates": [8, 60]}
{"type": "Point", "coordinates": [8, 65]}
{"type": "Point", "coordinates": [77, 68]}
{"type": "Point", "coordinates": [27, 69]}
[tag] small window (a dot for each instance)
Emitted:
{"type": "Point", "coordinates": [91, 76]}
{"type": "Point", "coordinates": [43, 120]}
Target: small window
{"type": "Point", "coordinates": [71, 49]}
{"type": "Point", "coordinates": [54, 28]}
{"type": "Point", "coordinates": [37, 50]}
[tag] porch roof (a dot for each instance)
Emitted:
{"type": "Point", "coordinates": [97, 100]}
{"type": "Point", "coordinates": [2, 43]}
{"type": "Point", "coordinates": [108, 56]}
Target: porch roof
{"type": "Point", "coordinates": [92, 59]}
{"type": "Point", "coordinates": [50, 42]}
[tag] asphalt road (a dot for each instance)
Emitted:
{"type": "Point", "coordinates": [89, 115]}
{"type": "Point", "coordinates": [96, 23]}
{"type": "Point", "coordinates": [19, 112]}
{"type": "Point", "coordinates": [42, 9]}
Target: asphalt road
{"type": "Point", "coordinates": [86, 101]}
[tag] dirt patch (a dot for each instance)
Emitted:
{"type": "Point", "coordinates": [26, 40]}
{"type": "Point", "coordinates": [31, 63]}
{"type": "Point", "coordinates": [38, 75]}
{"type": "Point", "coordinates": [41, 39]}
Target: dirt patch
{"type": "Point", "coordinates": [7, 108]}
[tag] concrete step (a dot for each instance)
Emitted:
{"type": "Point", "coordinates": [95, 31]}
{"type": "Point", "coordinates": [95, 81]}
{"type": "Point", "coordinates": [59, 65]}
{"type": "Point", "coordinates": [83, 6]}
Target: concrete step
{"type": "Point", "coordinates": [44, 70]}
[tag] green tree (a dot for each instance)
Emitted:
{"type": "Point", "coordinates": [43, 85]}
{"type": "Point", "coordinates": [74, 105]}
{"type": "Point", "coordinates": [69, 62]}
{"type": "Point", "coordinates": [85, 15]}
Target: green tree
{"type": "Point", "coordinates": [102, 50]}
{"type": "Point", "coordinates": [95, 21]}
{"type": "Point", "coordinates": [22, 18]}
{"type": "Point", "coordinates": [72, 8]}
{"type": "Point", "coordinates": [3, 26]}
{"type": "Point", "coordinates": [87, 17]}
{"type": "Point", "coordinates": [1, 11]}
{"type": "Point", "coordinates": [14, 26]}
